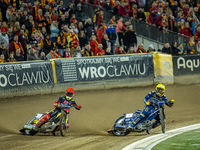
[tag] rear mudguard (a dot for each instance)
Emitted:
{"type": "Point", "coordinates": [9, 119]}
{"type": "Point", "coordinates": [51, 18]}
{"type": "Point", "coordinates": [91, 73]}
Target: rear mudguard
{"type": "Point", "coordinates": [120, 125]}
{"type": "Point", "coordinates": [28, 127]}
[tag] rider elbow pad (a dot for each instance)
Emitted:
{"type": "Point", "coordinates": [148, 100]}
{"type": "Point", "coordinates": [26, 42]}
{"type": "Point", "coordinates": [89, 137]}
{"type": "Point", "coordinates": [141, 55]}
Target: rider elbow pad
{"type": "Point", "coordinates": [56, 104]}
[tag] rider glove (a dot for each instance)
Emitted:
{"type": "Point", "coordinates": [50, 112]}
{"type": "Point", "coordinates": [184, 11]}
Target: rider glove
{"type": "Point", "coordinates": [78, 107]}
{"type": "Point", "coordinates": [172, 101]}
{"type": "Point", "coordinates": [149, 103]}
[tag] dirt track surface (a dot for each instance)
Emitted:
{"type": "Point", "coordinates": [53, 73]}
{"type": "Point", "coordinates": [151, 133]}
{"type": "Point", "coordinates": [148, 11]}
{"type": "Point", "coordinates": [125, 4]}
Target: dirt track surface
{"type": "Point", "coordinates": [99, 111]}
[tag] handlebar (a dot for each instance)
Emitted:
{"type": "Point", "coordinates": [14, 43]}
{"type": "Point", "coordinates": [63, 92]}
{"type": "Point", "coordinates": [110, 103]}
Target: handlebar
{"type": "Point", "coordinates": [66, 106]}
{"type": "Point", "coordinates": [78, 107]}
{"type": "Point", "coordinates": [157, 102]}
{"type": "Point", "coordinates": [160, 103]}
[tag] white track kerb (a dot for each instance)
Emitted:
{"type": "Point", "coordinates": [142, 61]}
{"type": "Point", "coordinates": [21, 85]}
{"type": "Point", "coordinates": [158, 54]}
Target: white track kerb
{"type": "Point", "coordinates": [148, 143]}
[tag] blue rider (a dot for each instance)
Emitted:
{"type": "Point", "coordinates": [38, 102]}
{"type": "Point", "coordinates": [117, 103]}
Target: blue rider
{"type": "Point", "coordinates": [158, 94]}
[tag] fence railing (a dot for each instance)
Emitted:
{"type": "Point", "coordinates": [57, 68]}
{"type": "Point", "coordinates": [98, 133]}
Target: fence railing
{"type": "Point", "coordinates": [142, 28]}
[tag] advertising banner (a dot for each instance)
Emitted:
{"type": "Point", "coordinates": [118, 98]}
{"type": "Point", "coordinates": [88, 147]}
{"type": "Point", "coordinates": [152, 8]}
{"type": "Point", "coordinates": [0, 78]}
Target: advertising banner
{"type": "Point", "coordinates": [163, 65]}
{"type": "Point", "coordinates": [14, 75]}
{"type": "Point", "coordinates": [186, 65]}
{"type": "Point", "coordinates": [104, 68]}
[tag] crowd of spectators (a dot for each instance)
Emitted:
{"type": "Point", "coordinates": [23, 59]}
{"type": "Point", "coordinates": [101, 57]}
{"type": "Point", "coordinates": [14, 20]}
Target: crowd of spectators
{"type": "Point", "coordinates": [46, 29]}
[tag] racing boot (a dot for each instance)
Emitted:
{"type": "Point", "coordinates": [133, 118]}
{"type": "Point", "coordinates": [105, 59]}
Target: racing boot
{"type": "Point", "coordinates": [148, 129]}
{"type": "Point", "coordinates": [152, 126]}
{"type": "Point", "coordinates": [67, 125]}
{"type": "Point", "coordinates": [41, 122]}
{"type": "Point", "coordinates": [148, 126]}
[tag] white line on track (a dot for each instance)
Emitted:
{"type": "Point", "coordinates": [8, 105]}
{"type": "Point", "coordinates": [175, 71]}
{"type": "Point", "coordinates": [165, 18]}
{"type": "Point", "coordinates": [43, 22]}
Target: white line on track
{"type": "Point", "coordinates": [149, 142]}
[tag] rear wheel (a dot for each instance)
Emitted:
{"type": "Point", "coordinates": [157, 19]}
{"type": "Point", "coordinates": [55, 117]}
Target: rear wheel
{"type": "Point", "coordinates": [31, 120]}
{"type": "Point", "coordinates": [162, 120]}
{"type": "Point", "coordinates": [63, 122]}
{"type": "Point", "coordinates": [29, 123]}
{"type": "Point", "coordinates": [120, 122]}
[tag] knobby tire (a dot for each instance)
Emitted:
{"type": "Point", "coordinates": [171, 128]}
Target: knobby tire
{"type": "Point", "coordinates": [162, 121]}
{"type": "Point", "coordinates": [62, 125]}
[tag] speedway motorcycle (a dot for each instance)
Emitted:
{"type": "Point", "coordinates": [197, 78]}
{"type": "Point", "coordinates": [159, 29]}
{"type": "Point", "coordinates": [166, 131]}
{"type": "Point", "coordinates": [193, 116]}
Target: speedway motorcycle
{"type": "Point", "coordinates": [119, 128]}
{"type": "Point", "coordinates": [55, 124]}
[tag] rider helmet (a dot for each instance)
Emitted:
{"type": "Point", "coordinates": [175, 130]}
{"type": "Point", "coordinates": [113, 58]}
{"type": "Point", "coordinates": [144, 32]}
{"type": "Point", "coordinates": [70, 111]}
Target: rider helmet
{"type": "Point", "coordinates": [160, 89]}
{"type": "Point", "coordinates": [70, 92]}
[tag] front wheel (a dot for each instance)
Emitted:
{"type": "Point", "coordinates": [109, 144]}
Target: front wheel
{"type": "Point", "coordinates": [63, 122]}
{"type": "Point", "coordinates": [120, 122]}
{"type": "Point", "coordinates": [162, 120]}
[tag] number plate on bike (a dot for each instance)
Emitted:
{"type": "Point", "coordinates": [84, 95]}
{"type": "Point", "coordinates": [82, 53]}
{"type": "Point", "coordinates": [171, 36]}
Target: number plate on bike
{"type": "Point", "coordinates": [38, 116]}
{"type": "Point", "coordinates": [129, 115]}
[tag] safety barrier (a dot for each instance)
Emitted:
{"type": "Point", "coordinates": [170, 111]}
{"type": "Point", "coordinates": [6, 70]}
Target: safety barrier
{"type": "Point", "coordinates": [104, 72]}
{"type": "Point", "coordinates": [104, 68]}
{"type": "Point", "coordinates": [45, 77]}
{"type": "Point", "coordinates": [186, 69]}
{"type": "Point", "coordinates": [24, 78]}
